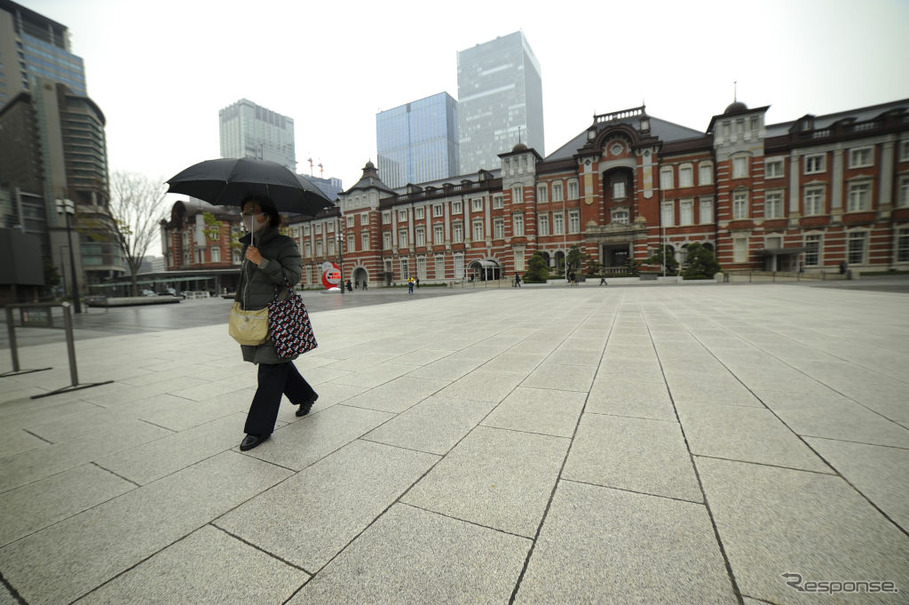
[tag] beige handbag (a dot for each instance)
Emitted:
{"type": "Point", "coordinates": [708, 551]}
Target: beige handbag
{"type": "Point", "coordinates": [248, 327]}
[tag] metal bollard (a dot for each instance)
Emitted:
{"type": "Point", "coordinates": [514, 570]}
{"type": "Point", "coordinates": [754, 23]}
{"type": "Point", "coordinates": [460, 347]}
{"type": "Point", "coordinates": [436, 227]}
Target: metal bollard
{"type": "Point", "coordinates": [11, 330]}
{"type": "Point", "coordinates": [70, 342]}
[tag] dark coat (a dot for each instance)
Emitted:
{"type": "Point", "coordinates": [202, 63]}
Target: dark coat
{"type": "Point", "coordinates": [258, 285]}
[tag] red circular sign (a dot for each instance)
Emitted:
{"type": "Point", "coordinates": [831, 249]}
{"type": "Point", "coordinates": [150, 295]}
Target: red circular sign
{"type": "Point", "coordinates": [331, 276]}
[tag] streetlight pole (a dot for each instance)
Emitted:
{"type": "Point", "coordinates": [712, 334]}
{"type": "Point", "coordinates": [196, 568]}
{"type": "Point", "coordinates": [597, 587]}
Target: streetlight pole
{"type": "Point", "coordinates": [341, 256]}
{"type": "Point", "coordinates": [662, 231]}
{"type": "Point", "coordinates": [68, 208]}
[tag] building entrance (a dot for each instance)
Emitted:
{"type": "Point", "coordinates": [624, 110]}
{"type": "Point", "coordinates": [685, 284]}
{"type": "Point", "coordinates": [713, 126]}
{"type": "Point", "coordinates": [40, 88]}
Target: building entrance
{"type": "Point", "coordinates": [360, 277]}
{"type": "Point", "coordinates": [615, 257]}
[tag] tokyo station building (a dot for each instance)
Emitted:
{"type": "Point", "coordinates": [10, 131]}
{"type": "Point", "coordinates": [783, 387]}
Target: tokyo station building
{"type": "Point", "coordinates": [804, 195]}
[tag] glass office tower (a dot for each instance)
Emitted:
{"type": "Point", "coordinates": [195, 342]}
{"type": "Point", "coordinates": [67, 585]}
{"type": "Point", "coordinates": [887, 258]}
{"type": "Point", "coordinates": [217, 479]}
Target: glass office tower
{"type": "Point", "coordinates": [31, 47]}
{"type": "Point", "coordinates": [418, 142]}
{"type": "Point", "coordinates": [500, 98]}
{"type": "Point", "coordinates": [251, 131]}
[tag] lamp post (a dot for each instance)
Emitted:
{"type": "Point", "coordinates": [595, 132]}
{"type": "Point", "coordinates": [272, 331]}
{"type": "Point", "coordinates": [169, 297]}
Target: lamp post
{"type": "Point", "coordinates": [341, 257]}
{"type": "Point", "coordinates": [68, 208]}
{"type": "Point", "coordinates": [662, 232]}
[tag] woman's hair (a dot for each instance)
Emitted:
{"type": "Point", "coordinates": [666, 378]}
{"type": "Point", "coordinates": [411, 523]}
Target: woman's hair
{"type": "Point", "coordinates": [267, 206]}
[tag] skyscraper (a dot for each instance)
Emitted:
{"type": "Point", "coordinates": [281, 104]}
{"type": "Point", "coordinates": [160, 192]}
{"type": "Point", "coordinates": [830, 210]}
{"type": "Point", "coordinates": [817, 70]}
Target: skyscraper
{"type": "Point", "coordinates": [418, 141]}
{"type": "Point", "coordinates": [54, 146]}
{"type": "Point", "coordinates": [500, 99]}
{"type": "Point", "coordinates": [251, 131]}
{"type": "Point", "coordinates": [33, 46]}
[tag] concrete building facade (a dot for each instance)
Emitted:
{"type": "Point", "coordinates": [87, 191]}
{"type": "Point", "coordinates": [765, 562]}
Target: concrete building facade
{"type": "Point", "coordinates": [500, 101]}
{"type": "Point", "coordinates": [248, 130]}
{"type": "Point", "coordinates": [53, 148]}
{"type": "Point", "coordinates": [33, 46]}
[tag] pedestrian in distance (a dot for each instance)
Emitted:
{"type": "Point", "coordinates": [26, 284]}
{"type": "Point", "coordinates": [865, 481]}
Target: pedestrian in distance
{"type": "Point", "coordinates": [410, 284]}
{"type": "Point", "coordinates": [349, 286]}
{"type": "Point", "coordinates": [269, 259]}
{"type": "Point", "coordinates": [517, 280]}
{"type": "Point", "coordinates": [365, 285]}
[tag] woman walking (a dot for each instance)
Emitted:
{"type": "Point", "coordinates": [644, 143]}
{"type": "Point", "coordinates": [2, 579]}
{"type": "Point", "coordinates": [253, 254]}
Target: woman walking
{"type": "Point", "coordinates": [271, 263]}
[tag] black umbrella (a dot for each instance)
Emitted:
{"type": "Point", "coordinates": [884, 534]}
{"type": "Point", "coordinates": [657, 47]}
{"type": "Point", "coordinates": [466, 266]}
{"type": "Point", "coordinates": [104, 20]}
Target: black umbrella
{"type": "Point", "coordinates": [227, 181]}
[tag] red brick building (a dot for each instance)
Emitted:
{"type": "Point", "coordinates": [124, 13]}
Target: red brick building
{"type": "Point", "coordinates": [803, 195]}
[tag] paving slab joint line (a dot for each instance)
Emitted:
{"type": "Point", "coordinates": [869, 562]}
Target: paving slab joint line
{"type": "Point", "coordinates": [498, 530]}
{"type": "Point", "coordinates": [555, 484]}
{"type": "Point", "coordinates": [12, 591]}
{"type": "Point", "coordinates": [173, 432]}
{"type": "Point", "coordinates": [786, 363]}
{"type": "Point", "coordinates": [135, 565]}
{"type": "Point", "coordinates": [118, 475]}
{"type": "Point", "coordinates": [883, 513]}
{"type": "Point", "coordinates": [633, 417]}
{"type": "Point", "coordinates": [400, 447]}
{"type": "Point", "coordinates": [370, 524]}
{"type": "Point", "coordinates": [801, 438]}
{"type": "Point", "coordinates": [36, 436]}
{"type": "Point", "coordinates": [633, 491]}
{"type": "Point", "coordinates": [849, 361]}
{"type": "Point", "coordinates": [886, 445]}
{"type": "Point", "coordinates": [760, 600]}
{"type": "Point", "coordinates": [262, 550]}
{"type": "Point", "coordinates": [768, 465]}
{"type": "Point", "coordinates": [697, 474]}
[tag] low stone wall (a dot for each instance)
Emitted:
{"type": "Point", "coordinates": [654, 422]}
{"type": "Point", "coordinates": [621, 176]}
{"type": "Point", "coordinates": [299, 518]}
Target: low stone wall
{"type": "Point", "coordinates": [129, 301]}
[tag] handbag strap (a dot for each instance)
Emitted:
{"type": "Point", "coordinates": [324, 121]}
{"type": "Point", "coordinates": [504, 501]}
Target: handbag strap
{"type": "Point", "coordinates": [286, 284]}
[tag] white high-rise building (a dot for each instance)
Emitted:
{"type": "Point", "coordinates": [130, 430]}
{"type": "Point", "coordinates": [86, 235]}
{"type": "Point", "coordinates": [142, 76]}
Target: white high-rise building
{"type": "Point", "coordinates": [251, 131]}
{"type": "Point", "coordinates": [500, 101]}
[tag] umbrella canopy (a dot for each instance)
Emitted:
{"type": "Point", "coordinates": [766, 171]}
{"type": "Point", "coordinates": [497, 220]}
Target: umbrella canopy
{"type": "Point", "coordinates": [225, 182]}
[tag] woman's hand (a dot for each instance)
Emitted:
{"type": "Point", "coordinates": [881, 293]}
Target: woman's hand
{"type": "Point", "coordinates": [253, 255]}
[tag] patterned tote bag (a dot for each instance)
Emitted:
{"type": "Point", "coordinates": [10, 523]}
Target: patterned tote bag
{"type": "Point", "coordinates": [289, 326]}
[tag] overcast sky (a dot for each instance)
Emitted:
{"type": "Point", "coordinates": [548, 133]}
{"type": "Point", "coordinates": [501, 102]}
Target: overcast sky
{"type": "Point", "coordinates": [162, 70]}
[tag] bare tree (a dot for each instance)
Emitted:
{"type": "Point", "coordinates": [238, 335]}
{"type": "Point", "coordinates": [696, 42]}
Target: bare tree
{"type": "Point", "coordinates": [136, 207]}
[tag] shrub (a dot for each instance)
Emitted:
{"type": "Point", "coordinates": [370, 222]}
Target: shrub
{"type": "Point", "coordinates": [700, 263]}
{"type": "Point", "coordinates": [537, 269]}
{"type": "Point", "coordinates": [657, 259]}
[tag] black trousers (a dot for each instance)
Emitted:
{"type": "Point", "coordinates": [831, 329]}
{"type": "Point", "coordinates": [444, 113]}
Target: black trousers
{"type": "Point", "coordinates": [274, 381]}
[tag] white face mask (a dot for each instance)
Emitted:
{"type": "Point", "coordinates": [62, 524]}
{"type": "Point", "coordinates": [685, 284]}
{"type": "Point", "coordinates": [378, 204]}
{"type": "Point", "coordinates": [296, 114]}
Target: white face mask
{"type": "Point", "coordinates": [249, 223]}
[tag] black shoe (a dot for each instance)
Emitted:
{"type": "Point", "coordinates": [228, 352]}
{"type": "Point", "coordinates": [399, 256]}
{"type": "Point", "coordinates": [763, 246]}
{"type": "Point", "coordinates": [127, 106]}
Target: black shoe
{"type": "Point", "coordinates": [306, 406]}
{"type": "Point", "coordinates": [251, 441]}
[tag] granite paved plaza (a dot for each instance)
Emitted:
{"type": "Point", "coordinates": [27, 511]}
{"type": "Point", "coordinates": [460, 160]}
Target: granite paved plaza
{"type": "Point", "coordinates": [659, 444]}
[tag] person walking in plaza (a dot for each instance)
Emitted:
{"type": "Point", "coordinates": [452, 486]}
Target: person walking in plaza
{"type": "Point", "coordinates": [517, 280]}
{"type": "Point", "coordinates": [410, 283]}
{"type": "Point", "coordinates": [365, 285]}
{"type": "Point", "coordinates": [270, 259]}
